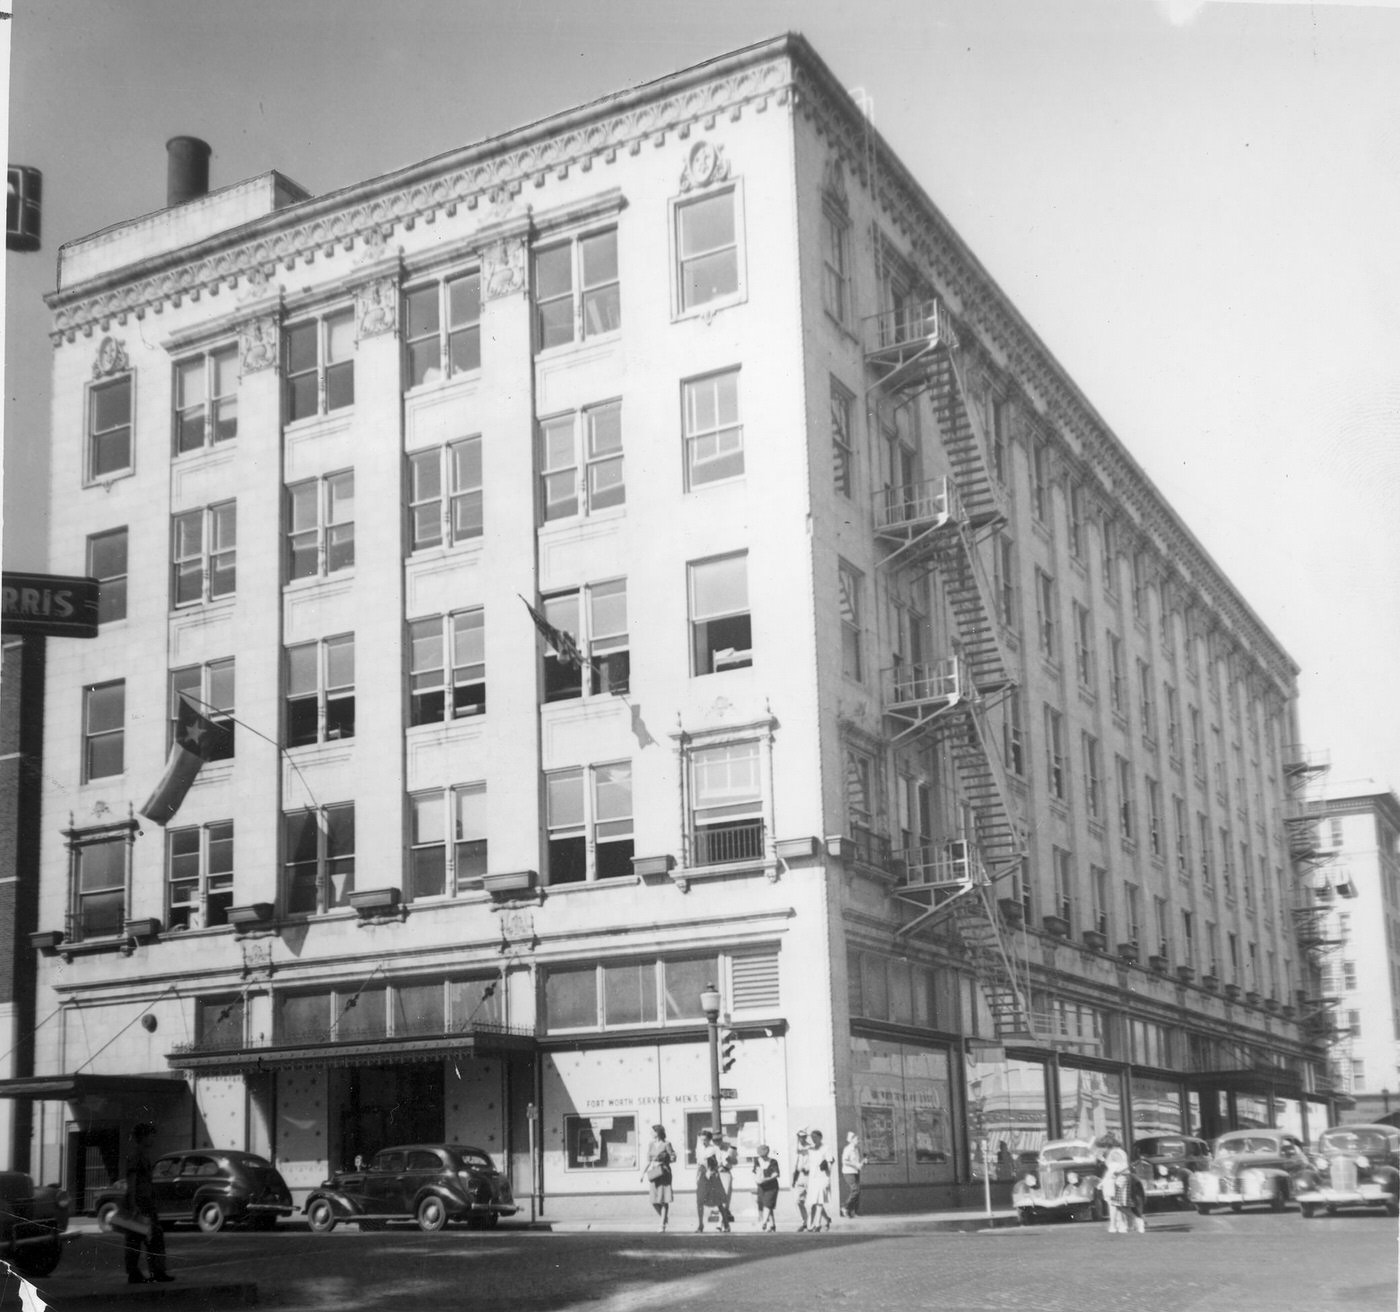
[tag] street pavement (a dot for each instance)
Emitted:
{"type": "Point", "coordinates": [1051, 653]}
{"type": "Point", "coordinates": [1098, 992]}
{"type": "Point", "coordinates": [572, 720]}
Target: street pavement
{"type": "Point", "coordinates": [1185, 1263]}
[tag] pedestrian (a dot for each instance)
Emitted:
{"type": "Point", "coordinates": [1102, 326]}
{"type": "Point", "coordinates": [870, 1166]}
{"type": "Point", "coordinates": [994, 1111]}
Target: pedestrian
{"type": "Point", "coordinates": [660, 1155]}
{"type": "Point", "coordinates": [801, 1174]}
{"type": "Point", "coordinates": [1122, 1191]}
{"type": "Point", "coordinates": [709, 1188]}
{"type": "Point", "coordinates": [141, 1204]}
{"type": "Point", "coordinates": [765, 1174]}
{"type": "Point", "coordinates": [852, 1160]}
{"type": "Point", "coordinates": [819, 1171]}
{"type": "Point", "coordinates": [728, 1160]}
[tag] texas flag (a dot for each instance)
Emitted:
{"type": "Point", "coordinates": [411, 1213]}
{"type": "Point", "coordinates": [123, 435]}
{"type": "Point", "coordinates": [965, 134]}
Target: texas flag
{"type": "Point", "coordinates": [195, 738]}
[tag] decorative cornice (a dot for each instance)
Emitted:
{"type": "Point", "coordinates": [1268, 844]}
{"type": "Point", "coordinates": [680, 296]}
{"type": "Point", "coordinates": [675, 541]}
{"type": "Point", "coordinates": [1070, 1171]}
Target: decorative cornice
{"type": "Point", "coordinates": [491, 172]}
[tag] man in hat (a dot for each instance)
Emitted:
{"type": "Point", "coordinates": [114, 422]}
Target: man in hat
{"type": "Point", "coordinates": [141, 1204]}
{"type": "Point", "coordinates": [800, 1173]}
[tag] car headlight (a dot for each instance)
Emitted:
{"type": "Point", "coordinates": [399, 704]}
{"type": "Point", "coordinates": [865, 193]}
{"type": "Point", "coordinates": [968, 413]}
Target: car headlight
{"type": "Point", "coordinates": [1320, 1162]}
{"type": "Point", "coordinates": [1072, 1178]}
{"type": "Point", "coordinates": [1364, 1163]}
{"type": "Point", "coordinates": [1162, 1170]}
{"type": "Point", "coordinates": [1031, 1182]}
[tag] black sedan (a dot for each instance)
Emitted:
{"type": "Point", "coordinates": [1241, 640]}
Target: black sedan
{"type": "Point", "coordinates": [431, 1184]}
{"type": "Point", "coordinates": [209, 1187]}
{"type": "Point", "coordinates": [1164, 1164]}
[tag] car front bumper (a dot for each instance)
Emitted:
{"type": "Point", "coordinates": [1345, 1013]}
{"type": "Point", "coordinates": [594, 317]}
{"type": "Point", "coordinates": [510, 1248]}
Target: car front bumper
{"type": "Point", "coordinates": [1365, 1195]}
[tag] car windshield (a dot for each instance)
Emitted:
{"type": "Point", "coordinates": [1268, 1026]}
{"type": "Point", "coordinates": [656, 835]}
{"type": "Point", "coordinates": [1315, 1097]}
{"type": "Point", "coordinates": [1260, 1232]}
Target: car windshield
{"type": "Point", "coordinates": [1370, 1140]}
{"type": "Point", "coordinates": [1162, 1148]}
{"type": "Point", "coordinates": [1066, 1152]}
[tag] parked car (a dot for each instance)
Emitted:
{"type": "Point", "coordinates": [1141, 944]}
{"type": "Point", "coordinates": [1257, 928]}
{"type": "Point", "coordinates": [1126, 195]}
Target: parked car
{"type": "Point", "coordinates": [1352, 1166]}
{"type": "Point", "coordinates": [428, 1183]}
{"type": "Point", "coordinates": [1248, 1167]}
{"type": "Point", "coordinates": [209, 1187]}
{"type": "Point", "coordinates": [1064, 1182]}
{"type": "Point", "coordinates": [1164, 1164]}
{"type": "Point", "coordinates": [32, 1221]}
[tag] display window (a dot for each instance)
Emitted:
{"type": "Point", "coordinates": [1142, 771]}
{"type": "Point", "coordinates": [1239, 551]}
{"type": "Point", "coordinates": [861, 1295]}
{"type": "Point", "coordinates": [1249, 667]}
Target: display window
{"type": "Point", "coordinates": [741, 1126]}
{"type": "Point", "coordinates": [903, 1097]}
{"type": "Point", "coordinates": [1091, 1104]}
{"type": "Point", "coordinates": [1157, 1107]}
{"type": "Point", "coordinates": [600, 1143]}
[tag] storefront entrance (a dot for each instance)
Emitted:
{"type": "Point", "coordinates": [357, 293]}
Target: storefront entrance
{"type": "Point", "coordinates": [384, 1105]}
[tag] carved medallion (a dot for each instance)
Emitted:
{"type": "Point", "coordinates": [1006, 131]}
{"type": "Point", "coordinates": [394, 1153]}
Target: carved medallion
{"type": "Point", "coordinates": [111, 358]}
{"type": "Point", "coordinates": [503, 268]}
{"type": "Point", "coordinates": [257, 344]}
{"type": "Point", "coordinates": [704, 166]}
{"type": "Point", "coordinates": [376, 307]}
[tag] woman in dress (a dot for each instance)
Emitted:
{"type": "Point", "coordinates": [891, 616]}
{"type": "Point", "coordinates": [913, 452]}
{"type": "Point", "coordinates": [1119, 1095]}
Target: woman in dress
{"type": "Point", "coordinates": [657, 1174]}
{"type": "Point", "coordinates": [765, 1172]}
{"type": "Point", "coordinates": [820, 1167]}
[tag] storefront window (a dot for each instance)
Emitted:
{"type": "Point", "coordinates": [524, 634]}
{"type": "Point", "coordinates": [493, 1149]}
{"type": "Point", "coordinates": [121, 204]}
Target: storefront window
{"type": "Point", "coordinates": [473, 1002]}
{"type": "Point", "coordinates": [600, 1143]}
{"type": "Point", "coordinates": [685, 982]}
{"type": "Point", "coordinates": [1091, 1104]}
{"type": "Point", "coordinates": [361, 1014]}
{"type": "Point", "coordinates": [904, 1104]}
{"type": "Point", "coordinates": [1251, 1113]}
{"type": "Point", "coordinates": [571, 997]}
{"type": "Point", "coordinates": [418, 1009]}
{"type": "Point", "coordinates": [1006, 1105]}
{"type": "Point", "coordinates": [1156, 1107]}
{"type": "Point", "coordinates": [740, 1126]}
{"type": "Point", "coordinates": [1288, 1115]}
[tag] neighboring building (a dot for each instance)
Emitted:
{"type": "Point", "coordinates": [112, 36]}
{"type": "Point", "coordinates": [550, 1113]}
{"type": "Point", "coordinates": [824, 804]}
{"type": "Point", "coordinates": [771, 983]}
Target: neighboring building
{"type": "Point", "coordinates": [913, 717]}
{"type": "Point", "coordinates": [1355, 896]}
{"type": "Point", "coordinates": [21, 769]}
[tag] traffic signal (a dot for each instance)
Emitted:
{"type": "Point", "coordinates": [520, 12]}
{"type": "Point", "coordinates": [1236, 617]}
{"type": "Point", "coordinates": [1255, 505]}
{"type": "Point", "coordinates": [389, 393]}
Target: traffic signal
{"type": "Point", "coordinates": [728, 1049]}
{"type": "Point", "coordinates": [22, 208]}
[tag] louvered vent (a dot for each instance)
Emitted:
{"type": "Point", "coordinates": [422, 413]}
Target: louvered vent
{"type": "Point", "coordinates": [755, 982]}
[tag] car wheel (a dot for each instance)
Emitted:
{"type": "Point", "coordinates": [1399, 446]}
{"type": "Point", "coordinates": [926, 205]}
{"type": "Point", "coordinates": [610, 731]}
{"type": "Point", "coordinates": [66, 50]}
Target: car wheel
{"type": "Point", "coordinates": [1309, 1210]}
{"type": "Point", "coordinates": [432, 1214]}
{"type": "Point", "coordinates": [1203, 1208]}
{"type": "Point", "coordinates": [39, 1259]}
{"type": "Point", "coordinates": [210, 1216]}
{"type": "Point", "coordinates": [321, 1217]}
{"type": "Point", "coordinates": [105, 1213]}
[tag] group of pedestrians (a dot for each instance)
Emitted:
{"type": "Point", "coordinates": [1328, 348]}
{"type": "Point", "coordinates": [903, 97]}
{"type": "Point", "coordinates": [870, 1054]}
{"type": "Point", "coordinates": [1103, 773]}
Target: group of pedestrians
{"type": "Point", "coordinates": [813, 1179]}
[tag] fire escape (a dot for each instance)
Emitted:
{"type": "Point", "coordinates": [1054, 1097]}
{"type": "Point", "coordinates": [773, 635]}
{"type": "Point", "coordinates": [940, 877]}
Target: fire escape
{"type": "Point", "coordinates": [936, 525]}
{"type": "Point", "coordinates": [1318, 887]}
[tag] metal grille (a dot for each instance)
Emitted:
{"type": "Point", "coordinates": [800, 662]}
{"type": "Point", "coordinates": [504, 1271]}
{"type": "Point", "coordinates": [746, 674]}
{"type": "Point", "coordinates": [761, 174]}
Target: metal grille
{"type": "Point", "coordinates": [755, 981]}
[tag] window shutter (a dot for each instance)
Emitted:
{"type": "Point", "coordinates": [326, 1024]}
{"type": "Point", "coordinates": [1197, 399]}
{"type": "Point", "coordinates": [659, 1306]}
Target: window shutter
{"type": "Point", "coordinates": [755, 981]}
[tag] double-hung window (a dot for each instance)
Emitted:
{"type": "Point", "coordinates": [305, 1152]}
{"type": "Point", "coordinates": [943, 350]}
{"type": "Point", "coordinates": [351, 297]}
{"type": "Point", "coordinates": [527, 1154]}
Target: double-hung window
{"type": "Point", "coordinates": [318, 853]}
{"type": "Point", "coordinates": [199, 875]}
{"type": "Point", "coordinates": [1004, 578]}
{"type": "Point", "coordinates": [1173, 704]}
{"type": "Point", "coordinates": [448, 841]}
{"type": "Point", "coordinates": [727, 822]}
{"type": "Point", "coordinates": [842, 453]}
{"type": "Point", "coordinates": [850, 587]}
{"type": "Point", "coordinates": [1127, 822]}
{"type": "Point", "coordinates": [1093, 777]}
{"type": "Point", "coordinates": [442, 328]}
{"type": "Point", "coordinates": [204, 554]}
{"type": "Point", "coordinates": [320, 365]}
{"type": "Point", "coordinates": [321, 525]}
{"type": "Point", "coordinates": [210, 690]}
{"type": "Point", "coordinates": [1156, 843]}
{"type": "Point", "coordinates": [106, 562]}
{"type": "Point", "coordinates": [104, 729]}
{"type": "Point", "coordinates": [577, 292]}
{"type": "Point", "coordinates": [109, 428]}
{"type": "Point", "coordinates": [1183, 851]}
{"type": "Point", "coordinates": [1083, 645]}
{"type": "Point", "coordinates": [1065, 893]}
{"type": "Point", "coordinates": [1057, 766]}
{"type": "Point", "coordinates": [720, 624]}
{"type": "Point", "coordinates": [581, 462]}
{"type": "Point", "coordinates": [454, 642]}
{"type": "Point", "coordinates": [714, 433]}
{"type": "Point", "coordinates": [100, 866]}
{"type": "Point", "coordinates": [707, 250]}
{"type": "Point", "coordinates": [206, 399]}
{"type": "Point", "coordinates": [836, 259]}
{"type": "Point", "coordinates": [1045, 603]}
{"type": "Point", "coordinates": [1040, 481]}
{"type": "Point", "coordinates": [1117, 679]}
{"type": "Point", "coordinates": [589, 821]}
{"type": "Point", "coordinates": [1076, 520]}
{"type": "Point", "coordinates": [445, 506]}
{"type": "Point", "coordinates": [1147, 710]}
{"type": "Point", "coordinates": [595, 617]}
{"type": "Point", "coordinates": [321, 691]}
{"type": "Point", "coordinates": [1014, 735]}
{"type": "Point", "coordinates": [1098, 893]}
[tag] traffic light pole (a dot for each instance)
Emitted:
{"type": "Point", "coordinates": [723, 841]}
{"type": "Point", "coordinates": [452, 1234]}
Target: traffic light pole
{"type": "Point", "coordinates": [709, 1001]}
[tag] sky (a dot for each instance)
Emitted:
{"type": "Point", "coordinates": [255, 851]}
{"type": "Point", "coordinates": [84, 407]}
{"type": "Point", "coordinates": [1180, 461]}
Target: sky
{"type": "Point", "coordinates": [1195, 204]}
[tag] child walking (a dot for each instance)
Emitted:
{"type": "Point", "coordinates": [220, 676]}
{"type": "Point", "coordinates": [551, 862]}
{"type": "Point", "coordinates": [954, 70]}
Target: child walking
{"type": "Point", "coordinates": [1123, 1194]}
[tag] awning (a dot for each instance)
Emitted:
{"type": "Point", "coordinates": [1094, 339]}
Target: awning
{"type": "Point", "coordinates": [1260, 1081]}
{"type": "Point", "coordinates": [76, 1087]}
{"type": "Point", "coordinates": [377, 1051]}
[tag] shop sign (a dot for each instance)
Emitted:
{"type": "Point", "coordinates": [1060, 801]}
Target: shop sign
{"type": "Point", "coordinates": [54, 604]}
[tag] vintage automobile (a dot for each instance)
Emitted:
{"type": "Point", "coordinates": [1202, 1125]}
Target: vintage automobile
{"type": "Point", "coordinates": [1352, 1166]}
{"type": "Point", "coordinates": [32, 1223]}
{"type": "Point", "coordinates": [1248, 1167]}
{"type": "Point", "coordinates": [1064, 1182]}
{"type": "Point", "coordinates": [428, 1183]}
{"type": "Point", "coordinates": [1164, 1164]}
{"type": "Point", "coordinates": [210, 1188]}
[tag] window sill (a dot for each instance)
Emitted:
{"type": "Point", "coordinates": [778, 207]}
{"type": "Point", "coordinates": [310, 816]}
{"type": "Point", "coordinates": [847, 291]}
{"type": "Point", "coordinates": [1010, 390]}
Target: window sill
{"type": "Point", "coordinates": [683, 876]}
{"type": "Point", "coordinates": [313, 581]}
{"type": "Point", "coordinates": [321, 424]}
{"type": "Point", "coordinates": [1096, 829]}
{"type": "Point", "coordinates": [444, 551]}
{"type": "Point", "coordinates": [561, 526]}
{"type": "Point", "coordinates": [572, 352]}
{"type": "Point", "coordinates": [709, 308]}
{"type": "Point", "coordinates": [105, 481]}
{"type": "Point", "coordinates": [593, 885]}
{"type": "Point", "coordinates": [206, 607]}
{"type": "Point", "coordinates": [455, 382]}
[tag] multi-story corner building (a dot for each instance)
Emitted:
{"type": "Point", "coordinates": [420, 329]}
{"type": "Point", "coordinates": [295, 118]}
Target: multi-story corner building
{"type": "Point", "coordinates": [1353, 933]}
{"type": "Point", "coordinates": [902, 707]}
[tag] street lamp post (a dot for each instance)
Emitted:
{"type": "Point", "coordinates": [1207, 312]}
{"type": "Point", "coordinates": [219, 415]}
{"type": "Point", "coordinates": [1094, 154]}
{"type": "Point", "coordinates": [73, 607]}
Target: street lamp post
{"type": "Point", "coordinates": [709, 1004]}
